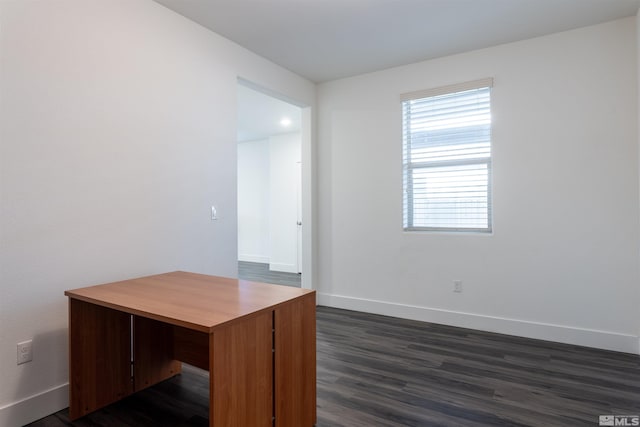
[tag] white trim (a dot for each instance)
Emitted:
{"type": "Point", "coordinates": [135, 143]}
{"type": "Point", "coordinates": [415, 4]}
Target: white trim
{"type": "Point", "coordinates": [35, 407]}
{"type": "Point", "coordinates": [544, 331]}
{"type": "Point", "coordinates": [254, 258]}
{"type": "Point", "coordinates": [309, 198]}
{"type": "Point", "coordinates": [443, 90]}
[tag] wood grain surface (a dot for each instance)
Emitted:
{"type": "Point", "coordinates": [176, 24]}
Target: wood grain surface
{"type": "Point", "coordinates": [99, 357]}
{"type": "Point", "coordinates": [153, 353]}
{"type": "Point", "coordinates": [295, 364]}
{"type": "Point", "coordinates": [241, 377]}
{"type": "Point", "coordinates": [191, 300]}
{"type": "Point", "coordinates": [220, 324]}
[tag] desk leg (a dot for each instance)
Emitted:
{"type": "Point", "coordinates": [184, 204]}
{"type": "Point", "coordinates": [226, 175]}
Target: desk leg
{"type": "Point", "coordinates": [241, 373]}
{"type": "Point", "coordinates": [99, 357]}
{"type": "Point", "coordinates": [295, 363]}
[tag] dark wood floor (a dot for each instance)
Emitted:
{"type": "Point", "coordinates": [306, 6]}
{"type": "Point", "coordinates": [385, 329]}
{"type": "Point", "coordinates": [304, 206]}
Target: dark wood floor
{"type": "Point", "coordinates": [381, 371]}
{"type": "Point", "coordinates": [258, 272]}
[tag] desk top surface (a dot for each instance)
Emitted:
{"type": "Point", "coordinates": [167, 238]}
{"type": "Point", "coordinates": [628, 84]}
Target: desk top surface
{"type": "Point", "coordinates": [195, 301]}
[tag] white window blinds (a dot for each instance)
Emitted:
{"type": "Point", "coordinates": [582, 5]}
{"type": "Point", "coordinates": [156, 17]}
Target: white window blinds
{"type": "Point", "coordinates": [447, 158]}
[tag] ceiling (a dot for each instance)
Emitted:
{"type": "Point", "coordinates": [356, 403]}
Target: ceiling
{"type": "Point", "coordinates": [260, 116]}
{"type": "Point", "coordinates": [325, 40]}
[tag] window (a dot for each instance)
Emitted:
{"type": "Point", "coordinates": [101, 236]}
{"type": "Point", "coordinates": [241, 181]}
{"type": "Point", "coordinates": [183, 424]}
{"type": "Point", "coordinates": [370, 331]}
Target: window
{"type": "Point", "coordinates": [447, 158]}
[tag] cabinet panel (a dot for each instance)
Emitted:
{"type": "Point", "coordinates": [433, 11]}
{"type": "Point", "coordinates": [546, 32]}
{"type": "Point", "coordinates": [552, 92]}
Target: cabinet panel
{"type": "Point", "coordinates": [153, 355]}
{"type": "Point", "coordinates": [295, 363]}
{"type": "Point", "coordinates": [241, 376]}
{"type": "Point", "coordinates": [99, 357]}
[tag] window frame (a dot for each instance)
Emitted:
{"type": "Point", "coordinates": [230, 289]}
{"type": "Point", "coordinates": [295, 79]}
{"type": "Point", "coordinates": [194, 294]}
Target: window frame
{"type": "Point", "coordinates": [408, 167]}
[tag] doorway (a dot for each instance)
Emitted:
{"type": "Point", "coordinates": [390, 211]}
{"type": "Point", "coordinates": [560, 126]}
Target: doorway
{"type": "Point", "coordinates": [270, 136]}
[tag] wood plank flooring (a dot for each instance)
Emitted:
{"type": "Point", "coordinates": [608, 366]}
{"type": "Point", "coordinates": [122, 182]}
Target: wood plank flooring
{"type": "Point", "coordinates": [374, 370]}
{"type": "Point", "coordinates": [259, 272]}
{"type": "Point", "coordinates": [381, 371]}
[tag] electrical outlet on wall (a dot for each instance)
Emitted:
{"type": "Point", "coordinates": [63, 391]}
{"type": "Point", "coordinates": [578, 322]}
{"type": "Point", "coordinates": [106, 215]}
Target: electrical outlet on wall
{"type": "Point", "coordinates": [457, 286]}
{"type": "Point", "coordinates": [25, 352]}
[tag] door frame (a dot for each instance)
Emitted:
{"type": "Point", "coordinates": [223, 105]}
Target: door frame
{"type": "Point", "coordinates": [307, 184]}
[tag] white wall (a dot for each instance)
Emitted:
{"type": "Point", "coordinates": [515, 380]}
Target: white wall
{"type": "Point", "coordinates": [117, 134]}
{"type": "Point", "coordinates": [284, 180]}
{"type": "Point", "coordinates": [562, 263]}
{"type": "Point", "coordinates": [253, 201]}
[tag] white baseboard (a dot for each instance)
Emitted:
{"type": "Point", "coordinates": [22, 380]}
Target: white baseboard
{"type": "Point", "coordinates": [253, 258]}
{"type": "Point", "coordinates": [35, 407]}
{"type": "Point", "coordinates": [543, 331]}
{"type": "Point", "coordinates": [285, 268]}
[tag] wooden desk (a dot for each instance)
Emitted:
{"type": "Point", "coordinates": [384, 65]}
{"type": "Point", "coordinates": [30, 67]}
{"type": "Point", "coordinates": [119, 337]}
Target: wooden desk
{"type": "Point", "coordinates": [257, 341]}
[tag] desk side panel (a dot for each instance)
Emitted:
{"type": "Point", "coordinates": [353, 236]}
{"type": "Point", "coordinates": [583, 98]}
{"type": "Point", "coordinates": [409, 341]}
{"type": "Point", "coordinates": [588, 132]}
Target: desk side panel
{"type": "Point", "coordinates": [295, 362]}
{"type": "Point", "coordinates": [191, 347]}
{"type": "Point", "coordinates": [99, 357]}
{"type": "Point", "coordinates": [241, 373]}
{"type": "Point", "coordinates": [153, 353]}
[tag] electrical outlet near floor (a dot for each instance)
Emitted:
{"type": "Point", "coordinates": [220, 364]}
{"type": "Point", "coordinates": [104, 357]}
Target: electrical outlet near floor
{"type": "Point", "coordinates": [457, 286]}
{"type": "Point", "coordinates": [25, 352]}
